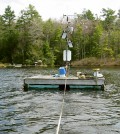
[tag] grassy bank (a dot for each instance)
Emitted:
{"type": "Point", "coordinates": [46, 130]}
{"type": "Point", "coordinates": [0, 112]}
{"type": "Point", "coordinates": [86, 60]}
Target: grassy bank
{"type": "Point", "coordinates": [8, 65]}
{"type": "Point", "coordinates": [2, 65]}
{"type": "Point", "coordinates": [84, 62]}
{"type": "Point", "coordinates": [96, 62]}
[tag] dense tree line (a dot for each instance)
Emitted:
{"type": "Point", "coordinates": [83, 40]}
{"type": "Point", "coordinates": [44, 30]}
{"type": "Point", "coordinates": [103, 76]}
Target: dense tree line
{"type": "Point", "coordinates": [27, 38]}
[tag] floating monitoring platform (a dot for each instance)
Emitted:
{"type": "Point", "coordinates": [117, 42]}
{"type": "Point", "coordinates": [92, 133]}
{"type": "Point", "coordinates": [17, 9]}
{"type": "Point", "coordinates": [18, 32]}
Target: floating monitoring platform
{"type": "Point", "coordinates": [61, 80]}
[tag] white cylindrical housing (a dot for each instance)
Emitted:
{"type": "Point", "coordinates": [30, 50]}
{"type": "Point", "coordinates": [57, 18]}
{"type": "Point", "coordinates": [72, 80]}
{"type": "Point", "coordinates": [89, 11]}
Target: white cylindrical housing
{"type": "Point", "coordinates": [66, 55]}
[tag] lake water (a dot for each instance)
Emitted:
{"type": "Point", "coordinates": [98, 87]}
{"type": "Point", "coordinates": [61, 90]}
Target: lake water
{"type": "Point", "coordinates": [37, 111]}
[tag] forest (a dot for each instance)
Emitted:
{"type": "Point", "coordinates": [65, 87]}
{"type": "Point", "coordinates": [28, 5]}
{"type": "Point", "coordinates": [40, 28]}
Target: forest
{"type": "Point", "coordinates": [27, 39]}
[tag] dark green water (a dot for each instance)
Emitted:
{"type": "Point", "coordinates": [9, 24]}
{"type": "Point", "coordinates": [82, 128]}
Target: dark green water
{"type": "Point", "coordinates": [37, 111]}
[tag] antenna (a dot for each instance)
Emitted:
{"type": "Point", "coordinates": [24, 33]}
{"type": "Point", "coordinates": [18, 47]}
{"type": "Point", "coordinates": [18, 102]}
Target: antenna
{"type": "Point", "coordinates": [66, 35]}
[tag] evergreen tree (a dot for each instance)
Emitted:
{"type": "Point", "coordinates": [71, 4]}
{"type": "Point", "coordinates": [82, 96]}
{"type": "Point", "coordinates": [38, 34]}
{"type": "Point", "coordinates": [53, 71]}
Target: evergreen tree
{"type": "Point", "coordinates": [109, 18]}
{"type": "Point", "coordinates": [9, 35]}
{"type": "Point", "coordinates": [88, 15]}
{"type": "Point", "coordinates": [25, 25]}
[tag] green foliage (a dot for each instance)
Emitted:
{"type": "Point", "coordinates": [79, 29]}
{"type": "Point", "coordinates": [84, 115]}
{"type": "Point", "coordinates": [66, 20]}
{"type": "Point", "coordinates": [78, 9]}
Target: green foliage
{"type": "Point", "coordinates": [109, 18]}
{"type": "Point", "coordinates": [8, 17]}
{"type": "Point", "coordinates": [9, 36]}
{"type": "Point", "coordinates": [28, 38]}
{"type": "Point", "coordinates": [108, 52]}
{"type": "Point", "coordinates": [27, 24]}
{"type": "Point", "coordinates": [48, 54]}
{"type": "Point", "coordinates": [78, 42]}
{"type": "Point", "coordinates": [87, 14]}
{"type": "Point", "coordinates": [95, 47]}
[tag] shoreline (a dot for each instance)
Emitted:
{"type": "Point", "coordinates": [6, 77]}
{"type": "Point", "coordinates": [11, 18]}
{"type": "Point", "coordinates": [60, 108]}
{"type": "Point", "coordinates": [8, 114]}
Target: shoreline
{"type": "Point", "coordinates": [39, 66]}
{"type": "Point", "coordinates": [87, 62]}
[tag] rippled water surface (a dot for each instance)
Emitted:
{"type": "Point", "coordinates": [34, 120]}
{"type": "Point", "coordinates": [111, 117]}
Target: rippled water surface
{"type": "Point", "coordinates": [37, 111]}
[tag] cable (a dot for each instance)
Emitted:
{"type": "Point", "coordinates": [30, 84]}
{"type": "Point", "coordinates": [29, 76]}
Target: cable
{"type": "Point", "coordinates": [59, 121]}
